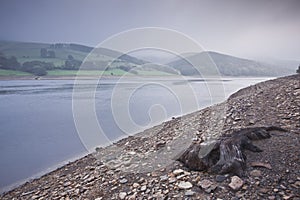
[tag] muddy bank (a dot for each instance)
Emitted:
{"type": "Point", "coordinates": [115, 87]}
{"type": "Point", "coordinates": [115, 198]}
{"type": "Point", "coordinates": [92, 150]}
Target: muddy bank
{"type": "Point", "coordinates": [143, 166]}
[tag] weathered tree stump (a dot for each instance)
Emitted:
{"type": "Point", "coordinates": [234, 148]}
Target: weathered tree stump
{"type": "Point", "coordinates": [226, 154]}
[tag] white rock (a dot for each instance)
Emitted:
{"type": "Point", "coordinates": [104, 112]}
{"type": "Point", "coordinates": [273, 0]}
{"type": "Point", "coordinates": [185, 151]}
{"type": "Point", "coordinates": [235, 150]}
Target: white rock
{"type": "Point", "coordinates": [172, 180]}
{"type": "Point", "coordinates": [204, 184]}
{"type": "Point", "coordinates": [189, 193]}
{"type": "Point", "coordinates": [143, 188]}
{"type": "Point", "coordinates": [131, 152]}
{"type": "Point", "coordinates": [124, 180]}
{"type": "Point", "coordinates": [122, 195]}
{"type": "Point", "coordinates": [185, 185]}
{"type": "Point", "coordinates": [135, 185]}
{"type": "Point", "coordinates": [236, 183]}
{"type": "Point", "coordinates": [178, 171]}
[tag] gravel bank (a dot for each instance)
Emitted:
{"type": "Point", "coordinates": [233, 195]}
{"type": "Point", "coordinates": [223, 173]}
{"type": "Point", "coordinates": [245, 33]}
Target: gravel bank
{"type": "Point", "coordinates": [143, 166]}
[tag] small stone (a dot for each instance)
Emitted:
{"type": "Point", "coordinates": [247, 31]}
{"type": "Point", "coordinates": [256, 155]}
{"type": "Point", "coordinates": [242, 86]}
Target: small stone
{"type": "Point", "coordinates": [271, 197]}
{"type": "Point", "coordinates": [287, 197]}
{"type": "Point", "coordinates": [185, 185]}
{"type": "Point", "coordinates": [34, 197]}
{"type": "Point", "coordinates": [172, 180]}
{"type": "Point", "coordinates": [124, 180]}
{"type": "Point", "coordinates": [63, 194]}
{"type": "Point", "coordinates": [237, 119]}
{"type": "Point", "coordinates": [220, 178]}
{"type": "Point", "coordinates": [135, 185]}
{"type": "Point", "coordinates": [263, 190]}
{"type": "Point", "coordinates": [66, 184]}
{"type": "Point", "coordinates": [255, 173]}
{"type": "Point", "coordinates": [132, 197]}
{"type": "Point", "coordinates": [160, 144]}
{"type": "Point", "coordinates": [143, 188]}
{"type": "Point", "coordinates": [122, 195]}
{"type": "Point", "coordinates": [189, 193]}
{"type": "Point", "coordinates": [164, 178]}
{"type": "Point", "coordinates": [236, 183]}
{"type": "Point", "coordinates": [178, 171]}
{"type": "Point", "coordinates": [251, 121]}
{"type": "Point", "coordinates": [154, 174]}
{"type": "Point", "coordinates": [211, 188]}
{"type": "Point", "coordinates": [77, 191]}
{"type": "Point", "coordinates": [204, 184]}
{"type": "Point", "coordinates": [181, 176]}
{"type": "Point", "coordinates": [283, 187]}
{"type": "Point", "coordinates": [89, 179]}
{"type": "Point", "coordinates": [99, 198]}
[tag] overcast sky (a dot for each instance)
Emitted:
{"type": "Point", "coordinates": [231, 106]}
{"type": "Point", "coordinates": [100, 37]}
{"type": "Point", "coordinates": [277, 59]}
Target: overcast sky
{"type": "Point", "coordinates": [250, 29]}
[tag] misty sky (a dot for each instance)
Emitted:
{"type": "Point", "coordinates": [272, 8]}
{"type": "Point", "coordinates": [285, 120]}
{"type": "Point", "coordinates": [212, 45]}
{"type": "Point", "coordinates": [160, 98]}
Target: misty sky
{"type": "Point", "coordinates": [250, 29]}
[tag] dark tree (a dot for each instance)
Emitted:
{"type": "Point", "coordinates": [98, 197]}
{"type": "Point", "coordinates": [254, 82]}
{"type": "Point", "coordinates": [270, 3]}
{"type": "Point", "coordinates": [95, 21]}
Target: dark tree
{"type": "Point", "coordinates": [30, 64]}
{"type": "Point", "coordinates": [72, 64]}
{"type": "Point", "coordinates": [298, 70]}
{"type": "Point", "coordinates": [38, 71]}
{"type": "Point", "coordinates": [70, 57]}
{"type": "Point", "coordinates": [9, 63]}
{"type": "Point", "coordinates": [43, 53]}
{"type": "Point", "coordinates": [58, 46]}
{"type": "Point", "coordinates": [37, 67]}
{"type": "Point", "coordinates": [13, 63]}
{"type": "Point", "coordinates": [51, 54]}
{"type": "Point", "coordinates": [125, 68]}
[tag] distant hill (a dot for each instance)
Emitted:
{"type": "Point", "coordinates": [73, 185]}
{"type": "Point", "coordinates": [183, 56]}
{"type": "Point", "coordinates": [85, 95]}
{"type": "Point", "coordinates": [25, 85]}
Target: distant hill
{"type": "Point", "coordinates": [25, 51]}
{"type": "Point", "coordinates": [59, 57]}
{"type": "Point", "coordinates": [227, 65]}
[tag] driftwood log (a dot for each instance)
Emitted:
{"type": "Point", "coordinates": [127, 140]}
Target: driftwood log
{"type": "Point", "coordinates": [226, 154]}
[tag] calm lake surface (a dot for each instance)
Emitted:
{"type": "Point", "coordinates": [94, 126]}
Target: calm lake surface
{"type": "Point", "coordinates": [38, 131]}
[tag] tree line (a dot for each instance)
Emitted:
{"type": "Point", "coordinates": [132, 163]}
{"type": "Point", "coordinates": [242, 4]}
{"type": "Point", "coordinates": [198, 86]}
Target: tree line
{"type": "Point", "coordinates": [37, 67]}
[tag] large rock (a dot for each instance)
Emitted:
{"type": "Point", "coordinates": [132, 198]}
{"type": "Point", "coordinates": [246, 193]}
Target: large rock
{"type": "Point", "coordinates": [236, 183]}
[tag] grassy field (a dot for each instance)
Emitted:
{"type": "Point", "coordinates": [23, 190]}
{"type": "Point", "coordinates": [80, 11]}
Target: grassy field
{"type": "Point", "coordinates": [153, 73]}
{"type": "Point", "coordinates": [25, 52]}
{"type": "Point", "coordinates": [114, 72]}
{"type": "Point", "coordinates": [4, 72]}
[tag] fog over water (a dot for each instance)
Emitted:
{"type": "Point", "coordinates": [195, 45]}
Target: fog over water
{"type": "Point", "coordinates": [248, 29]}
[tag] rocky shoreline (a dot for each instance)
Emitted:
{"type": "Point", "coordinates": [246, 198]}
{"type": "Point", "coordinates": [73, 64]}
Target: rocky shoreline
{"type": "Point", "coordinates": [143, 166]}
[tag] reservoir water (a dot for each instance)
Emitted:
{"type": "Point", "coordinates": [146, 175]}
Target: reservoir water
{"type": "Point", "coordinates": [38, 132]}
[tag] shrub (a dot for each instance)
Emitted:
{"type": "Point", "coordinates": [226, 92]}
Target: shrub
{"type": "Point", "coordinates": [38, 71]}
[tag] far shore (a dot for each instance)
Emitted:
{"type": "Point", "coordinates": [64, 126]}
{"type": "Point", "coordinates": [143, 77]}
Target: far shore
{"type": "Point", "coordinates": [58, 77]}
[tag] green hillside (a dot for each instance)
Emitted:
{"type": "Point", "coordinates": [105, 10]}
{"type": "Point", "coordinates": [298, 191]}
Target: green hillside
{"type": "Point", "coordinates": [31, 51]}
{"type": "Point", "coordinates": [61, 59]}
